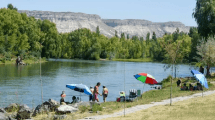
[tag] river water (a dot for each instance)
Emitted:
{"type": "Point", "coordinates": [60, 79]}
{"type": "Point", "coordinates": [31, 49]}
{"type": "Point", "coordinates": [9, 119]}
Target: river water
{"type": "Point", "coordinates": [21, 84]}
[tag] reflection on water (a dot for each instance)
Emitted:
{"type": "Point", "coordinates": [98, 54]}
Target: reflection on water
{"type": "Point", "coordinates": [21, 84]}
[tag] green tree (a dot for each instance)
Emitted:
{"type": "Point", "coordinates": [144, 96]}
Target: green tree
{"type": "Point", "coordinates": [154, 36]}
{"type": "Point", "coordinates": [116, 34]}
{"type": "Point", "coordinates": [206, 51]}
{"type": "Point", "coordinates": [204, 15]}
{"type": "Point", "coordinates": [10, 6]}
{"type": "Point", "coordinates": [128, 36]}
{"type": "Point", "coordinates": [97, 31]}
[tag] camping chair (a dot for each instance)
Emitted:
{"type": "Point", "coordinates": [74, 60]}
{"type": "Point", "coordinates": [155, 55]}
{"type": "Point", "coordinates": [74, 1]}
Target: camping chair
{"type": "Point", "coordinates": [132, 93]}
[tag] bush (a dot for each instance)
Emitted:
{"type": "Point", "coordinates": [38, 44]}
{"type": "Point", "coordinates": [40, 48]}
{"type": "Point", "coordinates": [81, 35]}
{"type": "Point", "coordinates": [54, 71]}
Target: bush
{"type": "Point", "coordinates": [167, 79]}
{"type": "Point", "coordinates": [96, 108]}
{"type": "Point", "coordinates": [83, 108]}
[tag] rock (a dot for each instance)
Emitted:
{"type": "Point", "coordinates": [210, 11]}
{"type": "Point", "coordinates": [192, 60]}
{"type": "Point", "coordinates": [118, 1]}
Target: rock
{"type": "Point", "coordinates": [2, 110]}
{"type": "Point", "coordinates": [63, 109]}
{"type": "Point", "coordinates": [12, 116]}
{"type": "Point", "coordinates": [52, 104]}
{"type": "Point", "coordinates": [24, 112]}
{"type": "Point", "coordinates": [70, 21]}
{"type": "Point", "coordinates": [41, 109]}
{"type": "Point", "coordinates": [59, 117]}
{"type": "Point", "coordinates": [3, 117]}
{"type": "Point", "coordinates": [12, 107]}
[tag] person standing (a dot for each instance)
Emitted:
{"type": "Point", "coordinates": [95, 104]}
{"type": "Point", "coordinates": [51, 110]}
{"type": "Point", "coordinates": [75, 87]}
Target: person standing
{"type": "Point", "coordinates": [96, 92]}
{"type": "Point", "coordinates": [105, 93]}
{"type": "Point", "coordinates": [91, 96]}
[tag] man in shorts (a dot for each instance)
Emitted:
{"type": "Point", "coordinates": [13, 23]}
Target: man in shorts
{"type": "Point", "coordinates": [105, 93]}
{"type": "Point", "coordinates": [96, 92]}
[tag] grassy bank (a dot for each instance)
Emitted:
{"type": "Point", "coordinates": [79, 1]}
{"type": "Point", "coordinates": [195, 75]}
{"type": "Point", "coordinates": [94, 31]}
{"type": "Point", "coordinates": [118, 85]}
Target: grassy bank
{"type": "Point", "coordinates": [193, 109]}
{"type": "Point", "coordinates": [147, 97]}
{"type": "Point", "coordinates": [135, 60]}
{"type": "Point", "coordinates": [26, 61]}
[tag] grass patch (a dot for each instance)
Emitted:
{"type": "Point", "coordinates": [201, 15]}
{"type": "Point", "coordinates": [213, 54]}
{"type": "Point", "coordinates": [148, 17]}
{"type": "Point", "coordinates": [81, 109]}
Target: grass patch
{"type": "Point", "coordinates": [192, 109]}
{"type": "Point", "coordinates": [135, 60]}
{"type": "Point", "coordinates": [148, 97]}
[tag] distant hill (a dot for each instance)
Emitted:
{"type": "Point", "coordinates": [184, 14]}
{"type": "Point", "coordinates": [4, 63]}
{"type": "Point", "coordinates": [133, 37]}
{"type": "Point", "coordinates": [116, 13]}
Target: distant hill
{"type": "Point", "coordinates": [70, 21]}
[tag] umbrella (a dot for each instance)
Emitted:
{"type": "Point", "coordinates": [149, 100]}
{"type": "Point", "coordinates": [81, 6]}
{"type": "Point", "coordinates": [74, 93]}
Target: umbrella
{"type": "Point", "coordinates": [200, 77]}
{"type": "Point", "coordinates": [80, 88]}
{"type": "Point", "coordinates": [146, 78]}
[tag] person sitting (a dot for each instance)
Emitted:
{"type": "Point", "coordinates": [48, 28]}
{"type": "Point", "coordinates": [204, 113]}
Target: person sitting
{"type": "Point", "coordinates": [74, 100]}
{"type": "Point", "coordinates": [122, 96]}
{"type": "Point", "coordinates": [184, 87]}
{"type": "Point", "coordinates": [178, 83]}
{"type": "Point", "coordinates": [190, 87]}
{"type": "Point", "coordinates": [63, 95]}
{"type": "Point", "coordinates": [199, 86]}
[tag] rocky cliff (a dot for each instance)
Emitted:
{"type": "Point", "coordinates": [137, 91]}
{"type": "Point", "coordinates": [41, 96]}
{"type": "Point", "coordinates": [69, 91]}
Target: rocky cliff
{"type": "Point", "coordinates": [69, 21]}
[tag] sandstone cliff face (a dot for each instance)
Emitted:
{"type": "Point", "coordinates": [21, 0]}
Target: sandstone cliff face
{"type": "Point", "coordinates": [69, 21]}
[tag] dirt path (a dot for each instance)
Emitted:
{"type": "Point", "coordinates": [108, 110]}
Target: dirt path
{"type": "Point", "coordinates": [146, 106]}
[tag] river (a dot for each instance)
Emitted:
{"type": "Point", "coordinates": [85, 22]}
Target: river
{"type": "Point", "coordinates": [21, 84]}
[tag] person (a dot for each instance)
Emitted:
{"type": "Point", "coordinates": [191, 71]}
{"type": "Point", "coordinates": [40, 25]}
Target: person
{"type": "Point", "coordinates": [122, 96]}
{"type": "Point", "coordinates": [96, 92]}
{"type": "Point", "coordinates": [104, 93]}
{"type": "Point", "coordinates": [63, 95]}
{"type": "Point", "coordinates": [178, 82]}
{"type": "Point", "coordinates": [190, 87]}
{"type": "Point", "coordinates": [201, 70]}
{"type": "Point", "coordinates": [74, 100]}
{"type": "Point", "coordinates": [199, 86]}
{"type": "Point", "coordinates": [184, 87]}
{"type": "Point", "coordinates": [91, 96]}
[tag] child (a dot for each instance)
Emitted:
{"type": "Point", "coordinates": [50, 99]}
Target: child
{"type": "Point", "coordinates": [105, 93]}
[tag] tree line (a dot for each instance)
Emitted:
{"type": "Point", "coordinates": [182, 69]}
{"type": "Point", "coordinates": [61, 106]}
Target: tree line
{"type": "Point", "coordinates": [29, 38]}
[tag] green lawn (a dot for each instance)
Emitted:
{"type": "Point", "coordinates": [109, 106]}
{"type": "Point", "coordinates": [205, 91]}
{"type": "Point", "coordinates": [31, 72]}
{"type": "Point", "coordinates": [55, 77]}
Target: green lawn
{"type": "Point", "coordinates": [147, 97]}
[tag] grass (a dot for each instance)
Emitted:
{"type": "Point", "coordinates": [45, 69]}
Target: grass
{"type": "Point", "coordinates": [147, 97]}
{"type": "Point", "coordinates": [135, 60]}
{"type": "Point", "coordinates": [28, 61]}
{"type": "Point", "coordinates": [192, 109]}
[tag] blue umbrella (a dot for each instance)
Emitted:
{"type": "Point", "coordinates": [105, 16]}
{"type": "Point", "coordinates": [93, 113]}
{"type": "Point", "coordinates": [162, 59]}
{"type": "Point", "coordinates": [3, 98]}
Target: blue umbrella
{"type": "Point", "coordinates": [80, 88]}
{"type": "Point", "coordinates": [200, 77]}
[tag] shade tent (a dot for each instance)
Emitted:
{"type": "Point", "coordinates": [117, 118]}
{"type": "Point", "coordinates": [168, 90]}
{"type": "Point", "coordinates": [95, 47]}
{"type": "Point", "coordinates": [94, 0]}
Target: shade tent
{"type": "Point", "coordinates": [200, 77]}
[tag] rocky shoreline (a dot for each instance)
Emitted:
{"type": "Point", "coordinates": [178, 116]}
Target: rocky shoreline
{"type": "Point", "coordinates": [16, 111]}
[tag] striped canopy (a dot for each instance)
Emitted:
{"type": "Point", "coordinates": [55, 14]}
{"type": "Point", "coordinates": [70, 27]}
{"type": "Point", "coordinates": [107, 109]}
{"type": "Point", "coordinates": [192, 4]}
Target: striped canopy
{"type": "Point", "coordinates": [146, 78]}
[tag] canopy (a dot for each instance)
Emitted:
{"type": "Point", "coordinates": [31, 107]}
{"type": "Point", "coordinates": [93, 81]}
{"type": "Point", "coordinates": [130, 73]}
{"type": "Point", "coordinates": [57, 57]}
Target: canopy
{"type": "Point", "coordinates": [200, 77]}
{"type": "Point", "coordinates": [146, 78]}
{"type": "Point", "coordinates": [80, 88]}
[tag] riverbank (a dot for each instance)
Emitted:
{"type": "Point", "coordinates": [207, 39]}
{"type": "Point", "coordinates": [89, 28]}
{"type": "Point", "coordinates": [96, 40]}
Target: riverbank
{"type": "Point", "coordinates": [26, 61]}
{"type": "Point", "coordinates": [135, 60]}
{"type": "Point", "coordinates": [147, 98]}
{"type": "Point", "coordinates": [186, 107]}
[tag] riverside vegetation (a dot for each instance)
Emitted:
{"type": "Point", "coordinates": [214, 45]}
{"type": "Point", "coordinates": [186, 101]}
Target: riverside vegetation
{"type": "Point", "coordinates": [29, 38]}
{"type": "Point", "coordinates": [146, 98]}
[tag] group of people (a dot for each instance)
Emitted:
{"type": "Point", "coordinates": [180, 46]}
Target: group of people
{"type": "Point", "coordinates": [92, 97]}
{"type": "Point", "coordinates": [191, 87]}
{"type": "Point", "coordinates": [95, 93]}
{"type": "Point", "coordinates": [63, 95]}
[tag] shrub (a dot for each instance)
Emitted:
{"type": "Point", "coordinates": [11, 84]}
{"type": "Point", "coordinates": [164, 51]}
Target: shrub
{"type": "Point", "coordinates": [167, 79]}
{"type": "Point", "coordinates": [96, 108]}
{"type": "Point", "coordinates": [83, 108]}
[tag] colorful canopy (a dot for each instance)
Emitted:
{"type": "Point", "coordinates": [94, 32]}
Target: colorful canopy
{"type": "Point", "coordinates": [146, 78]}
{"type": "Point", "coordinates": [200, 77]}
{"type": "Point", "coordinates": [80, 88]}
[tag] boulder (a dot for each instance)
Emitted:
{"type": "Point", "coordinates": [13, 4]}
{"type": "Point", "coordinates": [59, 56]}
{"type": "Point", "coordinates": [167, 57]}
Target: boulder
{"type": "Point", "coordinates": [3, 117]}
{"type": "Point", "coordinates": [52, 104]}
{"type": "Point", "coordinates": [63, 109]}
{"type": "Point", "coordinates": [41, 109]}
{"type": "Point", "coordinates": [2, 110]}
{"type": "Point", "coordinates": [12, 116]}
{"type": "Point", "coordinates": [12, 107]}
{"type": "Point", "coordinates": [59, 117]}
{"type": "Point", "coordinates": [24, 112]}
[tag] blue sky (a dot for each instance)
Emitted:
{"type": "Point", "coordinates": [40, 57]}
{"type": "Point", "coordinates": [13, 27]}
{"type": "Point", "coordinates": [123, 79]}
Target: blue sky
{"type": "Point", "coordinates": [152, 10]}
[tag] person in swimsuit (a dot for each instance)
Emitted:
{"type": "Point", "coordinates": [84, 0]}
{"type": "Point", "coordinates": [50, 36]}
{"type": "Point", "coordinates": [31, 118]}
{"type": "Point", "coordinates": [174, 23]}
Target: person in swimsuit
{"type": "Point", "coordinates": [96, 92]}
